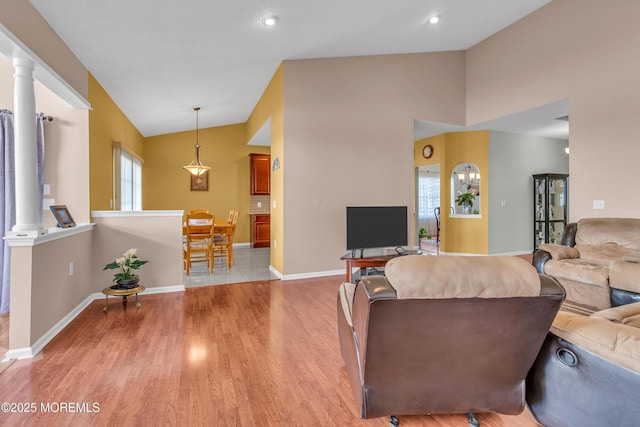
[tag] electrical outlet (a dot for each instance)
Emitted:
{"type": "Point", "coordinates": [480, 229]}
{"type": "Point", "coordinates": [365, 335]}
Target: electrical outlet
{"type": "Point", "coordinates": [259, 204]}
{"type": "Point", "coordinates": [598, 204]}
{"type": "Point", "coordinates": [71, 269]}
{"type": "Point", "coordinates": [46, 190]}
{"type": "Point", "coordinates": [274, 204]}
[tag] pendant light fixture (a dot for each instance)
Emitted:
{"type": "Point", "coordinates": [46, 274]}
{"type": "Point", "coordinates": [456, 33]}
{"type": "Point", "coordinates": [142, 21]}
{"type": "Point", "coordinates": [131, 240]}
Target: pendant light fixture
{"type": "Point", "coordinates": [195, 167]}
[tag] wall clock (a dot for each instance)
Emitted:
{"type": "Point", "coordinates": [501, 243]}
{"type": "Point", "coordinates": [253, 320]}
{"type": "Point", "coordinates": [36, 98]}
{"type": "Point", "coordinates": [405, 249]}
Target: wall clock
{"type": "Point", "coordinates": [427, 151]}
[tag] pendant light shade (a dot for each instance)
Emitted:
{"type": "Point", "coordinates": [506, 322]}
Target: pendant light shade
{"type": "Point", "coordinates": [195, 167]}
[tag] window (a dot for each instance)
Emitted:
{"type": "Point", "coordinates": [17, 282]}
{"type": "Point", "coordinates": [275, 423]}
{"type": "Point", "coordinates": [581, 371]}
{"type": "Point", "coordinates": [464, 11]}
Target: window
{"type": "Point", "coordinates": [428, 198]}
{"type": "Point", "coordinates": [127, 173]}
{"type": "Point", "coordinates": [428, 193]}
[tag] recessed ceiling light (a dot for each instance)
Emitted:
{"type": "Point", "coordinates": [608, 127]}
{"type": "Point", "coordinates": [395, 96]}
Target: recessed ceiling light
{"type": "Point", "coordinates": [270, 21]}
{"type": "Point", "coordinates": [434, 19]}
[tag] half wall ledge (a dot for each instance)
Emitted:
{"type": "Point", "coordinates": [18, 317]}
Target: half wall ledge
{"type": "Point", "coordinates": [51, 235]}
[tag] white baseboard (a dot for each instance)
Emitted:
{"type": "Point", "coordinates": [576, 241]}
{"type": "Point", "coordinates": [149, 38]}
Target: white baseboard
{"type": "Point", "coordinates": [313, 274]}
{"type": "Point", "coordinates": [274, 271]}
{"type": "Point", "coordinates": [164, 289]}
{"type": "Point", "coordinates": [29, 352]}
{"type": "Point", "coordinates": [18, 353]}
{"type": "Point", "coordinates": [529, 252]}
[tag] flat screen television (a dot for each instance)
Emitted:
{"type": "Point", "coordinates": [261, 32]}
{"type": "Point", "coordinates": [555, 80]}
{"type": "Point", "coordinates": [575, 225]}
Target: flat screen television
{"type": "Point", "coordinates": [376, 227]}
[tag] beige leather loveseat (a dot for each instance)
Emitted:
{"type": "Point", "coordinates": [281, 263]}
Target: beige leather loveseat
{"type": "Point", "coordinates": [597, 262]}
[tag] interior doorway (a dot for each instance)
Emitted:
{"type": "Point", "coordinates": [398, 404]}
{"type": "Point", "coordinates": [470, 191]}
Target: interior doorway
{"type": "Point", "coordinates": [427, 202]}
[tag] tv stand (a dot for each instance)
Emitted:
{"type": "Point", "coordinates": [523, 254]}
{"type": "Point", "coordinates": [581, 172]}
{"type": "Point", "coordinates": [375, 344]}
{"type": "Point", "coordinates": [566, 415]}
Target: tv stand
{"type": "Point", "coordinates": [377, 258]}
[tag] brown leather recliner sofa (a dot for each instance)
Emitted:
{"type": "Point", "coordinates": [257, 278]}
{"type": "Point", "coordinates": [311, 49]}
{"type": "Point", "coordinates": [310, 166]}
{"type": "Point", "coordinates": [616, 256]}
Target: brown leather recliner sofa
{"type": "Point", "coordinates": [444, 334]}
{"type": "Point", "coordinates": [588, 371]}
{"type": "Point", "coordinates": [597, 262]}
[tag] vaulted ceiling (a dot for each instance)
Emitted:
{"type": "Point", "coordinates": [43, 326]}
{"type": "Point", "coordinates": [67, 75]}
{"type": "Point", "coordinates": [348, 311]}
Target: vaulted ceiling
{"type": "Point", "coordinates": [158, 59]}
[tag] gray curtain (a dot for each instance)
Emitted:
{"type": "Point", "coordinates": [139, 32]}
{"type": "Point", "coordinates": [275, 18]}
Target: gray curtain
{"type": "Point", "coordinates": [8, 196]}
{"type": "Point", "coordinates": [40, 148]}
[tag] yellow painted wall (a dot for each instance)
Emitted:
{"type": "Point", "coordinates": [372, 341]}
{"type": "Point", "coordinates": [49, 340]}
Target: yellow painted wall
{"type": "Point", "coordinates": [468, 235]}
{"type": "Point", "coordinates": [107, 124]}
{"type": "Point", "coordinates": [438, 157]}
{"type": "Point", "coordinates": [271, 104]}
{"type": "Point", "coordinates": [165, 185]}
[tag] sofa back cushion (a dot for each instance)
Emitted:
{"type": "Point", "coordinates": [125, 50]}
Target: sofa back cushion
{"type": "Point", "coordinates": [624, 232]}
{"type": "Point", "coordinates": [605, 252]}
{"type": "Point", "coordinates": [418, 276]}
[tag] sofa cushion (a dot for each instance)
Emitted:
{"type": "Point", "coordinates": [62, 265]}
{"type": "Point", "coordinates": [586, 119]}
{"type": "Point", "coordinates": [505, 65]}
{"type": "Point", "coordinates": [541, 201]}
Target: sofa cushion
{"type": "Point", "coordinates": [417, 276]}
{"type": "Point", "coordinates": [624, 275]}
{"type": "Point", "coordinates": [560, 251]}
{"type": "Point", "coordinates": [598, 231]}
{"type": "Point", "coordinates": [634, 257]}
{"type": "Point", "coordinates": [628, 314]}
{"type": "Point", "coordinates": [617, 342]}
{"type": "Point", "coordinates": [579, 270]}
{"type": "Point", "coordinates": [604, 252]}
{"type": "Point", "coordinates": [346, 292]}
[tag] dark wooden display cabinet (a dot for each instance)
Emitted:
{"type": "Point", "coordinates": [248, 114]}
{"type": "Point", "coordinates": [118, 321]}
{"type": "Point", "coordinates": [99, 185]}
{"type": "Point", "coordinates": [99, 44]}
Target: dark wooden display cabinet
{"type": "Point", "coordinates": [550, 204]}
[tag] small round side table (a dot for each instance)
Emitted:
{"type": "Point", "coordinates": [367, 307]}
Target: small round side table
{"type": "Point", "coordinates": [124, 293]}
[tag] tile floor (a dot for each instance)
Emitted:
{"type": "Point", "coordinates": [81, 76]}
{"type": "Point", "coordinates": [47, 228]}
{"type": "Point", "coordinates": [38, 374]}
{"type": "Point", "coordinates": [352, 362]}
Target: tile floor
{"type": "Point", "coordinates": [250, 264]}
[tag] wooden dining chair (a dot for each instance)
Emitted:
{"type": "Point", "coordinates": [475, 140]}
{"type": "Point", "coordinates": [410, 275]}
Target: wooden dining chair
{"type": "Point", "coordinates": [223, 243]}
{"type": "Point", "coordinates": [231, 214]}
{"type": "Point", "coordinates": [199, 240]}
{"type": "Point", "coordinates": [195, 211]}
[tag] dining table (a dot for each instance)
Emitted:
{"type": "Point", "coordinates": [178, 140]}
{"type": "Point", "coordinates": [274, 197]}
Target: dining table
{"type": "Point", "coordinates": [220, 226]}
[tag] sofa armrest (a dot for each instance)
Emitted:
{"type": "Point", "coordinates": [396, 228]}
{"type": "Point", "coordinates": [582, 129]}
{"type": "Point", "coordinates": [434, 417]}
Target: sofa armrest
{"type": "Point", "coordinates": [549, 251]}
{"type": "Point", "coordinates": [540, 257]}
{"type": "Point", "coordinates": [613, 341]}
{"type": "Point", "coordinates": [550, 286]}
{"type": "Point", "coordinates": [560, 251]}
{"type": "Point", "coordinates": [377, 287]}
{"type": "Point", "coordinates": [569, 234]}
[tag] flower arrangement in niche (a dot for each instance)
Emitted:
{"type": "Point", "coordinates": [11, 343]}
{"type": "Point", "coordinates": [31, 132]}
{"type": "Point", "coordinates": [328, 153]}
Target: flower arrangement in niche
{"type": "Point", "coordinates": [127, 264]}
{"type": "Point", "coordinates": [466, 201]}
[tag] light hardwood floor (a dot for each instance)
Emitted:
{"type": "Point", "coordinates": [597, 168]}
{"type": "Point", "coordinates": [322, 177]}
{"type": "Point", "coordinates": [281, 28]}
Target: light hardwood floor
{"type": "Point", "coordinates": [253, 354]}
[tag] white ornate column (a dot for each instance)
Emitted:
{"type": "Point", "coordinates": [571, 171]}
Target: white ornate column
{"type": "Point", "coordinates": [26, 154]}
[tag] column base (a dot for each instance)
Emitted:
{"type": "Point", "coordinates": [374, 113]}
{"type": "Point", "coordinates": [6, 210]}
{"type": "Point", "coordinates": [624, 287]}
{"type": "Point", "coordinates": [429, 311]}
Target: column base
{"type": "Point", "coordinates": [27, 233]}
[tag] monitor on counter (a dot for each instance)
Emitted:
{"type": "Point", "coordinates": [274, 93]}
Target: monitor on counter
{"type": "Point", "coordinates": [376, 227]}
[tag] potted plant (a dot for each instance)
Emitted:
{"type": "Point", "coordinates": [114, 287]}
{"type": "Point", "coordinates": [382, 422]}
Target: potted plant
{"type": "Point", "coordinates": [421, 233]}
{"type": "Point", "coordinates": [466, 201]}
{"type": "Point", "coordinates": [125, 278]}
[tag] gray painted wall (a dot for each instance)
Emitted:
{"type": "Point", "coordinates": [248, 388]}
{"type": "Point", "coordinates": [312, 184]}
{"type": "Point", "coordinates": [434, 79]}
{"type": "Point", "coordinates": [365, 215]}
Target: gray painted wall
{"type": "Point", "coordinates": [513, 159]}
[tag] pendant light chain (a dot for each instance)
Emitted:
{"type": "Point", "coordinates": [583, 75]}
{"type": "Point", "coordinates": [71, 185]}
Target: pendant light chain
{"type": "Point", "coordinates": [196, 167]}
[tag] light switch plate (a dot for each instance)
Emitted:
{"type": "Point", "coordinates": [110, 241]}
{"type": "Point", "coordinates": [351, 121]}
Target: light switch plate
{"type": "Point", "coordinates": [47, 203]}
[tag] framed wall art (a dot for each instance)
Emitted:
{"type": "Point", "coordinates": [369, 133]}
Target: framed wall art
{"type": "Point", "coordinates": [200, 182]}
{"type": "Point", "coordinates": [62, 215]}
